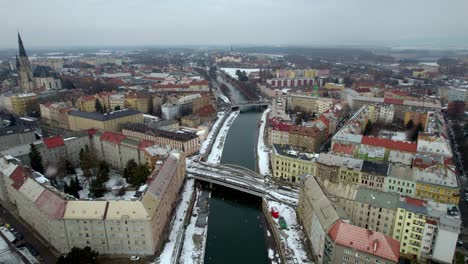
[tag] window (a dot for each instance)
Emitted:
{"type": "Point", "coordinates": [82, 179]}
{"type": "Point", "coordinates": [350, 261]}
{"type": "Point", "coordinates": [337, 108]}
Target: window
{"type": "Point", "coordinates": [345, 258]}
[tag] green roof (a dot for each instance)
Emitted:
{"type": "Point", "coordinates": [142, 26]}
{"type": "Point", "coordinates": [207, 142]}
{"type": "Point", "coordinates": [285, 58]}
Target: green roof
{"type": "Point", "coordinates": [377, 199]}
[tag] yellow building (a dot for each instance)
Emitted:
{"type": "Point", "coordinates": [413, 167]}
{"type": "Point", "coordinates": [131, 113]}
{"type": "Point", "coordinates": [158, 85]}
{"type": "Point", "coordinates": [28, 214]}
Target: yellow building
{"type": "Point", "coordinates": [417, 117]}
{"type": "Point", "coordinates": [138, 101]}
{"type": "Point", "coordinates": [22, 104]}
{"type": "Point", "coordinates": [439, 185]}
{"type": "Point", "coordinates": [350, 175]}
{"type": "Point", "coordinates": [439, 193]}
{"type": "Point", "coordinates": [288, 164]}
{"type": "Point", "coordinates": [409, 227]}
{"type": "Point", "coordinates": [334, 86]}
{"type": "Point", "coordinates": [79, 120]}
{"type": "Point", "coordinates": [86, 103]}
{"type": "Point", "coordinates": [309, 73]}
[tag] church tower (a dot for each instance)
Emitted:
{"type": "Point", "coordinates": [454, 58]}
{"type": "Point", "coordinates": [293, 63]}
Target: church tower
{"type": "Point", "coordinates": [25, 76]}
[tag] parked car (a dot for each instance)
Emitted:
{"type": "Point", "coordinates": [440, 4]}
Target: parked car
{"type": "Point", "coordinates": [134, 258]}
{"type": "Point", "coordinates": [18, 235]}
{"type": "Point", "coordinates": [31, 249]}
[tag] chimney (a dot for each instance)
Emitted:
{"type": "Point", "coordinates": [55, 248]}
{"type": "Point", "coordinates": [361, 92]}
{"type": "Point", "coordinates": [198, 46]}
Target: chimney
{"type": "Point", "coordinates": [376, 243]}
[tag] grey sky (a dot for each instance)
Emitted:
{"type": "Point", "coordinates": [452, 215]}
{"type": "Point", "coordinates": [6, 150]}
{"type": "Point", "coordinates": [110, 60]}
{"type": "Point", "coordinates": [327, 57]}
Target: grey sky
{"type": "Point", "coordinates": [48, 23]}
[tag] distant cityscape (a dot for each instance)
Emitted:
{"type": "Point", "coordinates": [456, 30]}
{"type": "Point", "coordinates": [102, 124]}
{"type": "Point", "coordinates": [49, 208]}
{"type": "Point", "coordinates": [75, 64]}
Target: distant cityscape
{"type": "Point", "coordinates": [326, 155]}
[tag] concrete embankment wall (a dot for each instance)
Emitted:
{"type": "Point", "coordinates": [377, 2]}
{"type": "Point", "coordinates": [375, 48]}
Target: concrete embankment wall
{"type": "Point", "coordinates": [213, 138]}
{"type": "Point", "coordinates": [274, 230]}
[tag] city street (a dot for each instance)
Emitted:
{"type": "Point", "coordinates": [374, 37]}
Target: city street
{"type": "Point", "coordinates": [45, 254]}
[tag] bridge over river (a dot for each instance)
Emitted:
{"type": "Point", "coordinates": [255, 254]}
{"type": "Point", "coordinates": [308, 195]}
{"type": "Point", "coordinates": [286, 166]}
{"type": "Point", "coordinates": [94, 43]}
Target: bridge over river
{"type": "Point", "coordinates": [241, 179]}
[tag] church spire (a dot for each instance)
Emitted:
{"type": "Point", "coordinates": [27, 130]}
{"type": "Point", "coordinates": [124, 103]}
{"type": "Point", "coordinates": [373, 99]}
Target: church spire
{"type": "Point", "coordinates": [22, 51]}
{"type": "Point", "coordinates": [17, 63]}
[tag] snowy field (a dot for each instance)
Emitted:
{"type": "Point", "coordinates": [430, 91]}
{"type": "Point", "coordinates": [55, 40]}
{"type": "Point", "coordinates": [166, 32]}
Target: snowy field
{"type": "Point", "coordinates": [218, 146]}
{"type": "Point", "coordinates": [291, 237]}
{"type": "Point", "coordinates": [232, 71]}
{"type": "Point", "coordinates": [262, 149]}
{"type": "Point", "coordinates": [205, 143]}
{"type": "Point", "coordinates": [169, 253]}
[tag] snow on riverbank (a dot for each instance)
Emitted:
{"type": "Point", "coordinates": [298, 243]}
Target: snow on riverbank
{"type": "Point", "coordinates": [232, 71]}
{"type": "Point", "coordinates": [193, 251]}
{"type": "Point", "coordinates": [213, 129]}
{"type": "Point", "coordinates": [218, 146]}
{"type": "Point", "coordinates": [169, 253]}
{"type": "Point", "coordinates": [292, 236]}
{"type": "Point", "coordinates": [262, 149]}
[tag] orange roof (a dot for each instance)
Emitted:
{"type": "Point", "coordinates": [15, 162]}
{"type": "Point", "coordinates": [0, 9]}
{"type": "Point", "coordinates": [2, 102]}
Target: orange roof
{"type": "Point", "coordinates": [343, 148]}
{"type": "Point", "coordinates": [393, 101]}
{"type": "Point", "coordinates": [112, 137]}
{"type": "Point", "coordinates": [145, 143]}
{"type": "Point", "coordinates": [207, 110]}
{"type": "Point", "coordinates": [54, 142]}
{"type": "Point", "coordinates": [364, 240]}
{"type": "Point", "coordinates": [19, 176]}
{"type": "Point", "coordinates": [389, 144]}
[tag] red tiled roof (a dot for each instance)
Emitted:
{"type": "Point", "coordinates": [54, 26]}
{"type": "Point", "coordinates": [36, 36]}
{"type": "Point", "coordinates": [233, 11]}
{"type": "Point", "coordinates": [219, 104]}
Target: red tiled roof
{"type": "Point", "coordinates": [88, 98]}
{"type": "Point", "coordinates": [343, 148]}
{"type": "Point", "coordinates": [393, 101]}
{"type": "Point", "coordinates": [112, 137]}
{"type": "Point", "coordinates": [54, 142]}
{"type": "Point", "coordinates": [19, 176]}
{"type": "Point", "coordinates": [277, 124]}
{"type": "Point", "coordinates": [51, 204]}
{"type": "Point", "coordinates": [170, 86]}
{"type": "Point", "coordinates": [145, 143]}
{"type": "Point", "coordinates": [91, 131]}
{"type": "Point", "coordinates": [207, 110]}
{"type": "Point", "coordinates": [414, 201]}
{"type": "Point", "coordinates": [362, 90]}
{"type": "Point", "coordinates": [201, 82]}
{"type": "Point", "coordinates": [389, 144]}
{"type": "Point", "coordinates": [361, 239]}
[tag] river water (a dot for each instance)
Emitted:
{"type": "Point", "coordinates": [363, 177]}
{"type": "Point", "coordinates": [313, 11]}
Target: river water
{"type": "Point", "coordinates": [235, 231]}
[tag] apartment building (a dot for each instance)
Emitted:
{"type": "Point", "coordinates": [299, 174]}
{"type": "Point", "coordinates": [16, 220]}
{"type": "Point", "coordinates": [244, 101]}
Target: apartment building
{"type": "Point", "coordinates": [79, 120]}
{"type": "Point", "coordinates": [123, 227]}
{"type": "Point", "coordinates": [138, 101]}
{"type": "Point", "coordinates": [347, 243]}
{"type": "Point", "coordinates": [427, 230]}
{"type": "Point", "coordinates": [21, 104]}
{"type": "Point", "coordinates": [287, 164]}
{"type": "Point", "coordinates": [332, 238]}
{"type": "Point", "coordinates": [187, 142]}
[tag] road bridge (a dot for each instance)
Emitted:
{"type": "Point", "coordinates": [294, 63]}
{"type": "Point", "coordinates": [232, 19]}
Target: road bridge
{"type": "Point", "coordinates": [241, 179]}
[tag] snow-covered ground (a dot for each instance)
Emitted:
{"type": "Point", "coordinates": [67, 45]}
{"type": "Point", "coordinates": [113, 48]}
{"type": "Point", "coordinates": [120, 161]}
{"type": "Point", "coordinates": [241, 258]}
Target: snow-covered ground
{"type": "Point", "coordinates": [262, 149]}
{"type": "Point", "coordinates": [193, 250]}
{"type": "Point", "coordinates": [400, 136]}
{"type": "Point", "coordinates": [225, 99]}
{"type": "Point", "coordinates": [205, 143]}
{"type": "Point", "coordinates": [115, 179]}
{"type": "Point", "coordinates": [292, 237]}
{"type": "Point", "coordinates": [218, 146]}
{"type": "Point", "coordinates": [232, 71]}
{"type": "Point", "coordinates": [169, 253]}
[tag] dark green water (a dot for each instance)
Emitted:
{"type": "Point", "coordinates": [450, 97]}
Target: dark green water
{"type": "Point", "coordinates": [235, 233]}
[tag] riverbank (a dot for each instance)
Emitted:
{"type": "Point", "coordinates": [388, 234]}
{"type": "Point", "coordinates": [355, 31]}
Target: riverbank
{"type": "Point", "coordinates": [211, 133]}
{"type": "Point", "coordinates": [218, 146]}
{"type": "Point", "coordinates": [262, 149]}
{"type": "Point", "coordinates": [193, 251]}
{"type": "Point", "coordinates": [172, 248]}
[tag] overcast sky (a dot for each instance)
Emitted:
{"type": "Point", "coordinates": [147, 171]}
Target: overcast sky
{"type": "Point", "coordinates": [61, 23]}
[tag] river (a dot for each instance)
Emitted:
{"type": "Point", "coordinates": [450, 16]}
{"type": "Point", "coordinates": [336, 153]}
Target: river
{"type": "Point", "coordinates": [235, 223]}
